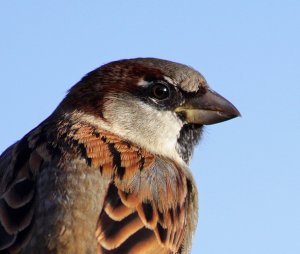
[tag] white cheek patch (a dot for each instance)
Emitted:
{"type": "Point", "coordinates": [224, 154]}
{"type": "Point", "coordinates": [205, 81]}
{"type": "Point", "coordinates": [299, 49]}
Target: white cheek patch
{"type": "Point", "coordinates": [155, 130]}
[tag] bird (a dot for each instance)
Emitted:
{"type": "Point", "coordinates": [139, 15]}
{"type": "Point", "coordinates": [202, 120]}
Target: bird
{"type": "Point", "coordinates": [108, 171]}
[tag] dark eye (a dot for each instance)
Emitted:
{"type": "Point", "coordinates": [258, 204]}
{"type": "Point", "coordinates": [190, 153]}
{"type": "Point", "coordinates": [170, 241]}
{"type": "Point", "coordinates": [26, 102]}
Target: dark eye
{"type": "Point", "coordinates": [160, 91]}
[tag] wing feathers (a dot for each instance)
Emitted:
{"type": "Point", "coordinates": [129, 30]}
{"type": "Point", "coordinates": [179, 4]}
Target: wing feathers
{"type": "Point", "coordinates": [21, 240]}
{"type": "Point", "coordinates": [147, 214]}
{"type": "Point", "coordinates": [146, 205]}
{"type": "Point", "coordinates": [19, 194]}
{"type": "Point", "coordinates": [143, 241]}
{"type": "Point", "coordinates": [147, 198]}
{"type": "Point", "coordinates": [14, 220]}
{"type": "Point", "coordinates": [17, 165]}
{"type": "Point", "coordinates": [115, 207]}
{"type": "Point", "coordinates": [6, 239]}
{"type": "Point", "coordinates": [114, 233]}
{"type": "Point", "coordinates": [118, 223]}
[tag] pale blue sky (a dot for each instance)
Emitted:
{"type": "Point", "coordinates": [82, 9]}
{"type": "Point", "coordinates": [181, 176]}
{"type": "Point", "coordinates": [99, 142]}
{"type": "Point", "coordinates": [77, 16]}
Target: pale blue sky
{"type": "Point", "coordinates": [247, 169]}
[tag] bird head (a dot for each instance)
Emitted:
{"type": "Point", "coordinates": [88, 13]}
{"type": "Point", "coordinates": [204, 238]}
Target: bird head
{"type": "Point", "coordinates": [157, 104]}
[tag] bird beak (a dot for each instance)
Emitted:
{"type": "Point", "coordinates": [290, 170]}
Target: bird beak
{"type": "Point", "coordinates": [209, 108]}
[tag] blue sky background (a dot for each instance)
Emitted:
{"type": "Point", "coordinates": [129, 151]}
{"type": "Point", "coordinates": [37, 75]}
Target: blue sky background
{"type": "Point", "coordinates": [247, 169]}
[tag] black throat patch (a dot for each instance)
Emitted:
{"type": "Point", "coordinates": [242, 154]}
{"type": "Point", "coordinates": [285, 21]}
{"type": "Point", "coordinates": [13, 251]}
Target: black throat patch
{"type": "Point", "coordinates": [190, 135]}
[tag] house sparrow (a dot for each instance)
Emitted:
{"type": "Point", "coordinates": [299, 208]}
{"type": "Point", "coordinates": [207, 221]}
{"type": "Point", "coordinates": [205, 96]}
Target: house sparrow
{"type": "Point", "coordinates": [107, 171]}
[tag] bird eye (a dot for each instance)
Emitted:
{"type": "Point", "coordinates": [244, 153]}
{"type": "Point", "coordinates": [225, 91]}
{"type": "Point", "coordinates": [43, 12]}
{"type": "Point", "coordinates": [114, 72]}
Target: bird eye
{"type": "Point", "coordinates": [160, 91]}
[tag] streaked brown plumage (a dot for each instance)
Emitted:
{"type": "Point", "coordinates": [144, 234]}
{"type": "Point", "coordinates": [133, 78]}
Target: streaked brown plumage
{"type": "Point", "coordinates": [107, 172]}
